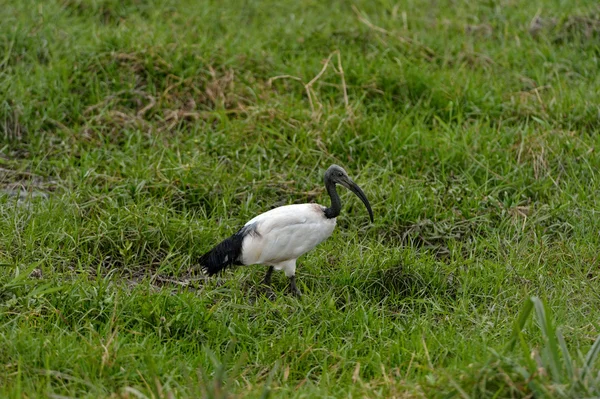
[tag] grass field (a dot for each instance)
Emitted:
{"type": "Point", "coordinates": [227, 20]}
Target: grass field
{"type": "Point", "coordinates": [137, 134]}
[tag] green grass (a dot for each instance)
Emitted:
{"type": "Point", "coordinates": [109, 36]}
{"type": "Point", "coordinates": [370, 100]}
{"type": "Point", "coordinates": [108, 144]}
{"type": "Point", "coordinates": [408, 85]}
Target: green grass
{"type": "Point", "coordinates": [147, 131]}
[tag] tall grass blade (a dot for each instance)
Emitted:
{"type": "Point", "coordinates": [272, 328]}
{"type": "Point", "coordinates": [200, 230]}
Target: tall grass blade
{"type": "Point", "coordinates": [566, 355]}
{"type": "Point", "coordinates": [520, 324]}
{"type": "Point", "coordinates": [548, 332]}
{"type": "Point", "coordinates": [590, 358]}
{"type": "Point", "coordinates": [267, 388]}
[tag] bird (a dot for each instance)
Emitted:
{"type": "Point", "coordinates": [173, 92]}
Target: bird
{"type": "Point", "coordinates": [278, 237]}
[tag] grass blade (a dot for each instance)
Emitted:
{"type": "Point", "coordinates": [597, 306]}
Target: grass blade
{"type": "Point", "coordinates": [520, 324]}
{"type": "Point", "coordinates": [566, 355]}
{"type": "Point", "coordinates": [549, 335]}
{"type": "Point", "coordinates": [590, 358]}
{"type": "Point", "coordinates": [267, 387]}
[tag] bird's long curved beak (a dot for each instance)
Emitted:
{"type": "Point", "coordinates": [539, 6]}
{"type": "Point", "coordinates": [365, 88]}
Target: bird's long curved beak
{"type": "Point", "coordinates": [350, 185]}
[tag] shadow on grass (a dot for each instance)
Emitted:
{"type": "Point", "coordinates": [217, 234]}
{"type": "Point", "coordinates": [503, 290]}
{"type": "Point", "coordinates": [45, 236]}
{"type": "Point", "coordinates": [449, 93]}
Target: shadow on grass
{"type": "Point", "coordinates": [399, 282]}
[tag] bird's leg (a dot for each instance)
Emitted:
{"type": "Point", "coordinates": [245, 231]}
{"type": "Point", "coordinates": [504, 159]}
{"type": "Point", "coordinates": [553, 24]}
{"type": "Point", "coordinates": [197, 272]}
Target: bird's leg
{"type": "Point", "coordinates": [267, 283]}
{"type": "Point", "coordinates": [267, 279]}
{"type": "Point", "coordinates": [293, 289]}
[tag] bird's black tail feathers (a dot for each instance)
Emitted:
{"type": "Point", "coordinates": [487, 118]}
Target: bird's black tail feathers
{"type": "Point", "coordinates": [225, 254]}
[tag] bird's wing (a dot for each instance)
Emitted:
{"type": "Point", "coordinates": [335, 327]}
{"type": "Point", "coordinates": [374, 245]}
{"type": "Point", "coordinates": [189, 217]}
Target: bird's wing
{"type": "Point", "coordinates": [286, 216]}
{"type": "Point", "coordinates": [285, 233]}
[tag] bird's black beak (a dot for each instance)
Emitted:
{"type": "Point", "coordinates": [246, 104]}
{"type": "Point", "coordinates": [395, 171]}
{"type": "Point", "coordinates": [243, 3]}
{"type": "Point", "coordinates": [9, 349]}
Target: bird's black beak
{"type": "Point", "coordinates": [350, 185]}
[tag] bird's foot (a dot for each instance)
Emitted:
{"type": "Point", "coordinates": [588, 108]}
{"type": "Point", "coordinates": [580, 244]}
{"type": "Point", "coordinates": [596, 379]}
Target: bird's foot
{"type": "Point", "coordinates": [268, 292]}
{"type": "Point", "coordinates": [293, 289]}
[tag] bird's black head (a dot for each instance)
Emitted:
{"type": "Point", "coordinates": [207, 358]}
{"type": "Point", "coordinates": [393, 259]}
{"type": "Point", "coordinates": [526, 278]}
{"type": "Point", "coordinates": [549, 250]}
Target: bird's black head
{"type": "Point", "coordinates": [337, 175]}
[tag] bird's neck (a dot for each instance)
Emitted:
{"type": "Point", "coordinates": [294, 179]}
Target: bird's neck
{"type": "Point", "coordinates": [336, 204]}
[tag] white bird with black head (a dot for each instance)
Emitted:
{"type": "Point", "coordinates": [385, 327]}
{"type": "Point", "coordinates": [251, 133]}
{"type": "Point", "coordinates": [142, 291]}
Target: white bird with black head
{"type": "Point", "coordinates": [277, 238]}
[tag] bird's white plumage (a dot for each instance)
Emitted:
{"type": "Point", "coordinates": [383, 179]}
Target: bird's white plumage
{"type": "Point", "coordinates": [283, 234]}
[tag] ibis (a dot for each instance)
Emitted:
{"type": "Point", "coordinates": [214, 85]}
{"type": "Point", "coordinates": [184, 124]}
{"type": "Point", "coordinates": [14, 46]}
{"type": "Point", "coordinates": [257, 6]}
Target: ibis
{"type": "Point", "coordinates": [277, 238]}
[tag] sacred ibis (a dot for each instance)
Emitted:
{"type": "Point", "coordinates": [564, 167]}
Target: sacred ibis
{"type": "Point", "coordinates": [278, 237]}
